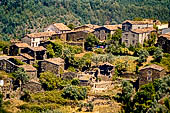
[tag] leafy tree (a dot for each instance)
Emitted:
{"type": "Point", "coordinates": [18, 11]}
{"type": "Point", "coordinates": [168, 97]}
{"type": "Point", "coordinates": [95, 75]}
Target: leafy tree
{"type": "Point", "coordinates": [90, 42]}
{"type": "Point", "coordinates": [71, 26]}
{"type": "Point", "coordinates": [50, 81]}
{"type": "Point", "coordinates": [21, 75]}
{"type": "Point", "coordinates": [74, 93]}
{"type": "Point", "coordinates": [158, 54]}
{"type": "Point", "coordinates": [75, 82]}
{"type": "Point", "coordinates": [50, 51]}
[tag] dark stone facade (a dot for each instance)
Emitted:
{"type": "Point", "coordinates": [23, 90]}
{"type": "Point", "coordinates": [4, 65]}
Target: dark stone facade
{"type": "Point", "coordinates": [164, 43]}
{"type": "Point", "coordinates": [149, 74]}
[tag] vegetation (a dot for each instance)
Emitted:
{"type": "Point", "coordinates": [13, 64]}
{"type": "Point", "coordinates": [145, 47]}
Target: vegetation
{"type": "Point", "coordinates": [50, 81]}
{"type": "Point", "coordinates": [21, 75]}
{"type": "Point", "coordinates": [20, 17]}
{"type": "Point", "coordinates": [147, 98]}
{"type": "Point", "coordinates": [91, 41]}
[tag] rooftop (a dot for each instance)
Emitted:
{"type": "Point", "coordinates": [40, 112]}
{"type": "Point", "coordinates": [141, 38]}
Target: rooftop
{"type": "Point", "coordinates": [18, 57]}
{"type": "Point", "coordinates": [62, 27]}
{"type": "Point", "coordinates": [26, 56]}
{"type": "Point", "coordinates": [113, 27]}
{"type": "Point", "coordinates": [41, 34]}
{"type": "Point", "coordinates": [144, 30]}
{"type": "Point", "coordinates": [153, 66]}
{"type": "Point", "coordinates": [28, 67]}
{"type": "Point", "coordinates": [22, 45]}
{"type": "Point", "coordinates": [40, 48]}
{"type": "Point", "coordinates": [167, 36]}
{"type": "Point", "coordinates": [55, 60]}
{"type": "Point", "coordinates": [139, 22]}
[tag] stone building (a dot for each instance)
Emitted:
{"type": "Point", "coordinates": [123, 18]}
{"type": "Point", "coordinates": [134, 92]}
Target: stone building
{"type": "Point", "coordinates": [34, 39]}
{"type": "Point", "coordinates": [137, 36]}
{"type": "Point", "coordinates": [77, 36]}
{"type": "Point", "coordinates": [29, 59]}
{"type": "Point", "coordinates": [58, 28]}
{"type": "Point", "coordinates": [129, 25]}
{"type": "Point", "coordinates": [38, 53]}
{"type": "Point", "coordinates": [150, 73]}
{"type": "Point", "coordinates": [32, 87]}
{"type": "Point", "coordinates": [54, 65]}
{"type": "Point", "coordinates": [102, 32]}
{"type": "Point", "coordinates": [30, 71]}
{"type": "Point", "coordinates": [17, 48]}
{"type": "Point", "coordinates": [164, 42]}
{"type": "Point", "coordinates": [86, 27]}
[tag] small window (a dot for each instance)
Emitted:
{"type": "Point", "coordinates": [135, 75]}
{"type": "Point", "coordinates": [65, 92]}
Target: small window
{"type": "Point", "coordinates": [133, 42]}
{"type": "Point", "coordinates": [149, 77]}
{"type": "Point", "coordinates": [133, 35]}
{"type": "Point", "coordinates": [33, 39]}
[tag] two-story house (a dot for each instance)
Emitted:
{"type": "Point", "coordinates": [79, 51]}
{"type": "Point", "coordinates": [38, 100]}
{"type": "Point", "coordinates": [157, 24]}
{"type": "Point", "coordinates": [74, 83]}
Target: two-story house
{"type": "Point", "coordinates": [135, 32]}
{"type": "Point", "coordinates": [34, 39]}
{"type": "Point", "coordinates": [102, 32]}
{"type": "Point", "coordinates": [136, 36]}
{"type": "Point", "coordinates": [59, 28]}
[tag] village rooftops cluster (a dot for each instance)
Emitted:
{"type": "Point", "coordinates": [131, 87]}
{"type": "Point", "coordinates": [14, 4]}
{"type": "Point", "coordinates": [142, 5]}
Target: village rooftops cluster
{"type": "Point", "coordinates": [42, 34]}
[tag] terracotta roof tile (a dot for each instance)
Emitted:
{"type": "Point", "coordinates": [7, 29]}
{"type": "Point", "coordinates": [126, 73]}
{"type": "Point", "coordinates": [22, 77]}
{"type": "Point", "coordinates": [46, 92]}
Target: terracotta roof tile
{"type": "Point", "coordinates": [40, 48]}
{"type": "Point", "coordinates": [167, 36]}
{"type": "Point", "coordinates": [22, 45]}
{"type": "Point", "coordinates": [62, 27]}
{"type": "Point", "coordinates": [153, 66]}
{"type": "Point", "coordinates": [41, 34]}
{"type": "Point", "coordinates": [144, 30]}
{"type": "Point", "coordinates": [113, 27]}
{"type": "Point", "coordinates": [26, 56]}
{"type": "Point", "coordinates": [28, 67]}
{"type": "Point", "coordinates": [55, 60]}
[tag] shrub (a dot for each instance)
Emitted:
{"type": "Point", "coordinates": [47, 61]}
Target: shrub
{"type": "Point", "coordinates": [71, 69]}
{"type": "Point", "coordinates": [99, 51]}
{"type": "Point", "coordinates": [74, 93]}
{"type": "Point", "coordinates": [75, 82]}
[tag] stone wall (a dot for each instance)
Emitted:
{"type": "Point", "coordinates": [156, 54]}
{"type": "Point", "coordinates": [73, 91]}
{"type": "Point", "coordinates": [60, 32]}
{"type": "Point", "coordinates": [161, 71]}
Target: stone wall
{"type": "Point", "coordinates": [32, 87]}
{"type": "Point", "coordinates": [48, 66]}
{"type": "Point", "coordinates": [144, 78]}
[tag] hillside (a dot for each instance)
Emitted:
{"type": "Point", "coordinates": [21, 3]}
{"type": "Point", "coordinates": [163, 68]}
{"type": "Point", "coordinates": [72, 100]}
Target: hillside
{"type": "Point", "coordinates": [24, 16]}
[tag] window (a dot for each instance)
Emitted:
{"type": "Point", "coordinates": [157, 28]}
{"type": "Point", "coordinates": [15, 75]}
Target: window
{"type": "Point", "coordinates": [133, 35]}
{"type": "Point", "coordinates": [126, 41]}
{"type": "Point", "coordinates": [126, 35]}
{"type": "Point", "coordinates": [149, 77]}
{"type": "Point", "coordinates": [133, 42]}
{"type": "Point", "coordinates": [33, 39]}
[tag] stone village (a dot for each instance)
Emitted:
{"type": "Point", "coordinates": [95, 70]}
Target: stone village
{"type": "Point", "coordinates": [32, 49]}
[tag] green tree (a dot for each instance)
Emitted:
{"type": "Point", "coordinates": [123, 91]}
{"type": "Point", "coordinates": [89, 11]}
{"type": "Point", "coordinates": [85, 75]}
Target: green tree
{"type": "Point", "coordinates": [158, 54]}
{"type": "Point", "coordinates": [21, 75]}
{"type": "Point", "coordinates": [90, 42]}
{"type": "Point", "coordinates": [50, 51]}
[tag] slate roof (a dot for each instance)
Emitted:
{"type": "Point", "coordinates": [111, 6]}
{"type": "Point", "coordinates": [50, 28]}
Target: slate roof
{"type": "Point", "coordinates": [22, 45]}
{"type": "Point", "coordinates": [167, 36]}
{"type": "Point", "coordinates": [144, 30]}
{"type": "Point", "coordinates": [28, 67]}
{"type": "Point", "coordinates": [153, 66]}
{"type": "Point", "coordinates": [62, 27]}
{"type": "Point", "coordinates": [41, 34]}
{"type": "Point", "coordinates": [55, 60]}
{"type": "Point", "coordinates": [138, 22]}
{"type": "Point", "coordinates": [26, 56]}
{"type": "Point", "coordinates": [113, 27]}
{"type": "Point", "coordinates": [39, 48]}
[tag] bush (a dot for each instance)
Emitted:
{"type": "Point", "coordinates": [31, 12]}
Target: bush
{"type": "Point", "coordinates": [74, 93]}
{"type": "Point", "coordinates": [71, 69]}
{"type": "Point", "coordinates": [99, 51]}
{"type": "Point", "coordinates": [75, 82]}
